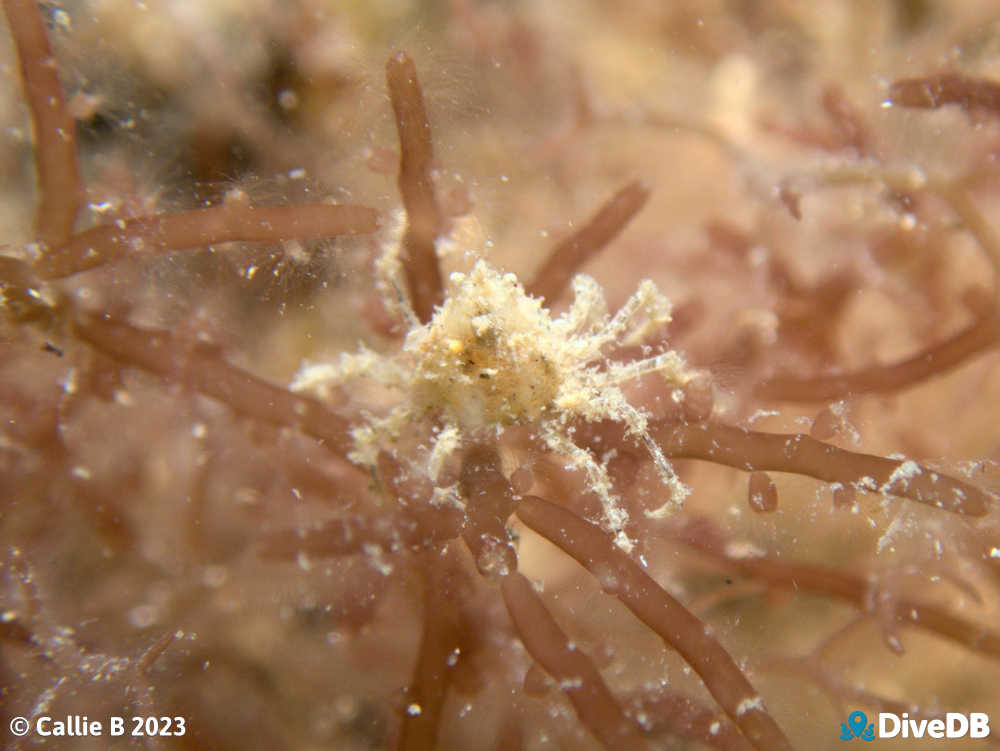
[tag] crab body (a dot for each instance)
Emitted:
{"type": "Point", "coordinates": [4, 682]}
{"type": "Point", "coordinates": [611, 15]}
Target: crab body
{"type": "Point", "coordinates": [486, 357]}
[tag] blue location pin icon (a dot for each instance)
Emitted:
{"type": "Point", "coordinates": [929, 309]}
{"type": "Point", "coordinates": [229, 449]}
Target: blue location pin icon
{"type": "Point", "coordinates": [857, 721]}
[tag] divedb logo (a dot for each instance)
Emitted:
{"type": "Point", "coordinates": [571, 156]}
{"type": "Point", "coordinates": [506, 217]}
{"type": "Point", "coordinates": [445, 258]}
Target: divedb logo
{"type": "Point", "coordinates": [889, 725]}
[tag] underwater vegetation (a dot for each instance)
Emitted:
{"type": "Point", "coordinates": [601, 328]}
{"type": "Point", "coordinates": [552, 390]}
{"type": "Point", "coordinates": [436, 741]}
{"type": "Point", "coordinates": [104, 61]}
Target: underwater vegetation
{"type": "Point", "coordinates": [614, 378]}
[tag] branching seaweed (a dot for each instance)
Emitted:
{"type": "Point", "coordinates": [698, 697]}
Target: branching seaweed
{"type": "Point", "coordinates": [411, 491]}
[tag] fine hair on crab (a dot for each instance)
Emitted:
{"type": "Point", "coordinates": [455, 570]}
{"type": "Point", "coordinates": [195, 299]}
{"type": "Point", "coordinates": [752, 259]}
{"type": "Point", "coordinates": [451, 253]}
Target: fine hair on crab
{"type": "Point", "coordinates": [500, 438]}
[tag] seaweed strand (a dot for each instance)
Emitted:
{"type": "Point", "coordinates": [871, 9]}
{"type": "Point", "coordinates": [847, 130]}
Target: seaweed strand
{"type": "Point", "coordinates": [571, 254]}
{"type": "Point", "coordinates": [797, 453]}
{"type": "Point", "coordinates": [667, 617]}
{"type": "Point", "coordinates": [163, 233]}
{"type": "Point", "coordinates": [60, 187]}
{"type": "Point", "coordinates": [424, 220]}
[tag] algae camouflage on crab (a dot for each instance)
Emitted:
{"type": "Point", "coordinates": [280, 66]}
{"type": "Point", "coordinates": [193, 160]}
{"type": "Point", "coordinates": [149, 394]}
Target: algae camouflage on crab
{"type": "Point", "coordinates": [465, 532]}
{"type": "Point", "coordinates": [491, 357]}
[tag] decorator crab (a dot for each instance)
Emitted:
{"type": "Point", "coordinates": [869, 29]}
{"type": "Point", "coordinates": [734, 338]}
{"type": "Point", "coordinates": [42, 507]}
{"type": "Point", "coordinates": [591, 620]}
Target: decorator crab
{"type": "Point", "coordinates": [492, 356]}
